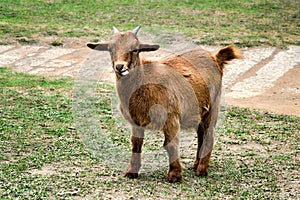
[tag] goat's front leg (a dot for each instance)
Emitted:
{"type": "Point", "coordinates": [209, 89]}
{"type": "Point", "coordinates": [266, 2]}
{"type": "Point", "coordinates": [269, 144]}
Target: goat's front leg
{"type": "Point", "coordinates": [171, 145]}
{"type": "Point", "coordinates": [137, 138]}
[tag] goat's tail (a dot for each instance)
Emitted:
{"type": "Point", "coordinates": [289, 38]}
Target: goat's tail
{"type": "Point", "coordinates": [226, 54]}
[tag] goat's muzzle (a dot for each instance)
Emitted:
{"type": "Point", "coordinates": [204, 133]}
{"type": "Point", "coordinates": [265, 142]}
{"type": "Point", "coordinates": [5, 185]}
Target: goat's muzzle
{"type": "Point", "coordinates": [121, 69]}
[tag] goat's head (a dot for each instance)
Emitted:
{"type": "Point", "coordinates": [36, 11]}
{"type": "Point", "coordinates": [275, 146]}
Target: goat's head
{"type": "Point", "coordinates": [124, 49]}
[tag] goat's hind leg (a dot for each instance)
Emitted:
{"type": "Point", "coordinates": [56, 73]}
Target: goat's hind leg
{"type": "Point", "coordinates": [171, 144]}
{"type": "Point", "coordinates": [205, 146]}
{"type": "Point", "coordinates": [200, 136]}
{"type": "Point", "coordinates": [206, 133]}
{"type": "Point", "coordinates": [205, 154]}
{"type": "Point", "coordinates": [137, 138]}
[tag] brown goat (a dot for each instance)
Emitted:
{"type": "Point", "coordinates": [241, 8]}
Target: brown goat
{"type": "Point", "coordinates": [178, 92]}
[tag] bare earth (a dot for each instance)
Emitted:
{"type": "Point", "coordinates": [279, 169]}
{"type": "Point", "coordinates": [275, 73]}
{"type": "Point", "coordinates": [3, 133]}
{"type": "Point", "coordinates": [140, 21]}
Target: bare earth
{"type": "Point", "coordinates": [282, 98]}
{"type": "Point", "coordinates": [267, 78]}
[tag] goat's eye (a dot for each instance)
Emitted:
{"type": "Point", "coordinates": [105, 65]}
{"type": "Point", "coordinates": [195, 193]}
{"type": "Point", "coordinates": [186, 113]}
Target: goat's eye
{"type": "Point", "coordinates": [134, 50]}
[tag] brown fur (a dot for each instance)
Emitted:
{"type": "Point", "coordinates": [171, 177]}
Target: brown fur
{"type": "Point", "coordinates": [183, 65]}
{"type": "Point", "coordinates": [160, 95]}
{"type": "Point", "coordinates": [181, 91]}
{"type": "Point", "coordinates": [226, 54]}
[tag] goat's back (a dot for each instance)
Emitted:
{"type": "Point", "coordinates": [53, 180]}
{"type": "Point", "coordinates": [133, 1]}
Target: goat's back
{"type": "Point", "coordinates": [200, 69]}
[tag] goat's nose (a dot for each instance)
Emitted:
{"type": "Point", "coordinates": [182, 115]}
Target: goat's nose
{"type": "Point", "coordinates": [119, 67]}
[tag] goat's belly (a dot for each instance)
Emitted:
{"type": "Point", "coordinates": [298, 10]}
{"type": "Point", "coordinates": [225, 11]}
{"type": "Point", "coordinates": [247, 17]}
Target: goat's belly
{"type": "Point", "coordinates": [155, 117]}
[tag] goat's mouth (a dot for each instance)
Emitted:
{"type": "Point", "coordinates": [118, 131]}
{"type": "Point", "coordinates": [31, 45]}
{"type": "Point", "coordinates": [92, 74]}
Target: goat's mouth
{"type": "Point", "coordinates": [123, 73]}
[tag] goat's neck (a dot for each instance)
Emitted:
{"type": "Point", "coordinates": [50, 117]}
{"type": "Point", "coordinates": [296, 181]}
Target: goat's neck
{"type": "Point", "coordinates": [130, 83]}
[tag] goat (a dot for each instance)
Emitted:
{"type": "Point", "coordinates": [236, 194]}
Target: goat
{"type": "Point", "coordinates": [178, 92]}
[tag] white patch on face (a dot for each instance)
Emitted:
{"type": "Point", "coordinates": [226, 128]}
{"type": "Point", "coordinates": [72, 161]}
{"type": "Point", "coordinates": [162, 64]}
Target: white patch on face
{"type": "Point", "coordinates": [125, 73]}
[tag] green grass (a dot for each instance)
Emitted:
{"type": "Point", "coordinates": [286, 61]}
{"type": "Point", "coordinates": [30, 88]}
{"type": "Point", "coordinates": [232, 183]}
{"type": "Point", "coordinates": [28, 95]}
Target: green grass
{"type": "Point", "coordinates": [244, 23]}
{"type": "Point", "coordinates": [43, 156]}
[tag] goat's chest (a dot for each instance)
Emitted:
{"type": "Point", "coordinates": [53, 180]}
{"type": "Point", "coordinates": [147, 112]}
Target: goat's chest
{"type": "Point", "coordinates": [150, 103]}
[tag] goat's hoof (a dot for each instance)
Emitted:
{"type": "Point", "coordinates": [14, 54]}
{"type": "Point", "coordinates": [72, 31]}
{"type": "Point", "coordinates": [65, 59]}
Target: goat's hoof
{"type": "Point", "coordinates": [174, 177]}
{"type": "Point", "coordinates": [202, 171]}
{"type": "Point", "coordinates": [195, 165]}
{"type": "Point", "coordinates": [131, 175]}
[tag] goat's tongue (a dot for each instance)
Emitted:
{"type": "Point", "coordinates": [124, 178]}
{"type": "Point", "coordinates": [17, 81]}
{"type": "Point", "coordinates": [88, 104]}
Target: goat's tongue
{"type": "Point", "coordinates": [124, 73]}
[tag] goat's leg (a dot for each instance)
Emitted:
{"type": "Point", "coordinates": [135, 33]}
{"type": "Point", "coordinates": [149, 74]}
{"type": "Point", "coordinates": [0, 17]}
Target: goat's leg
{"type": "Point", "coordinates": [206, 140]}
{"type": "Point", "coordinates": [171, 144]}
{"type": "Point", "coordinates": [200, 136]}
{"type": "Point", "coordinates": [205, 143]}
{"type": "Point", "coordinates": [205, 154]}
{"type": "Point", "coordinates": [137, 138]}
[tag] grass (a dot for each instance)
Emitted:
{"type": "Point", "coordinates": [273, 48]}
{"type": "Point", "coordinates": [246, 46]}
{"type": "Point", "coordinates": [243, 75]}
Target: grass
{"type": "Point", "coordinates": [243, 23]}
{"type": "Point", "coordinates": [45, 155]}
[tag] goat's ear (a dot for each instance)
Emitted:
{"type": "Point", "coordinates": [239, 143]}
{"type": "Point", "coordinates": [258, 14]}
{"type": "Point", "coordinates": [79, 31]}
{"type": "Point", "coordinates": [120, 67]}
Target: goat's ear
{"type": "Point", "coordinates": [99, 47]}
{"type": "Point", "coordinates": [148, 47]}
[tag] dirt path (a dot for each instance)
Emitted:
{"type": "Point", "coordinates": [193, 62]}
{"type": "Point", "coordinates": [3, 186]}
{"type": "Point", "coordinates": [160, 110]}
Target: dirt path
{"type": "Point", "coordinates": [267, 78]}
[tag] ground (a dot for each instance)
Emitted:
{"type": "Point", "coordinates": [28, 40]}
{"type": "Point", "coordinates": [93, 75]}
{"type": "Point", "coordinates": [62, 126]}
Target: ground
{"type": "Point", "coordinates": [282, 98]}
{"type": "Point", "coordinates": [267, 78]}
